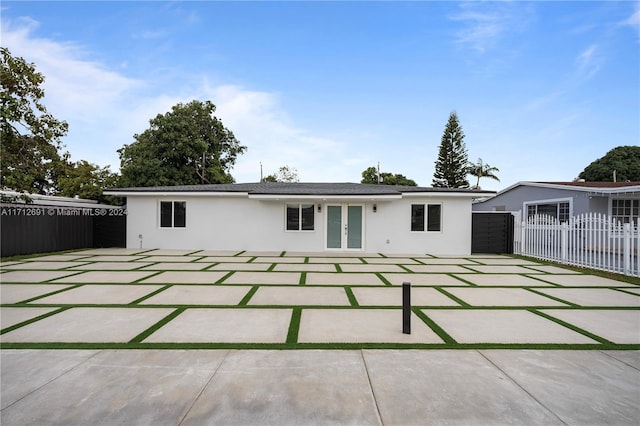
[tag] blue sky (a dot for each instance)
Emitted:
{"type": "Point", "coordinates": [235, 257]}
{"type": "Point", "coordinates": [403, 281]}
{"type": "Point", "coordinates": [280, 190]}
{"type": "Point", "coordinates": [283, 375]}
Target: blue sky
{"type": "Point", "coordinates": [331, 88]}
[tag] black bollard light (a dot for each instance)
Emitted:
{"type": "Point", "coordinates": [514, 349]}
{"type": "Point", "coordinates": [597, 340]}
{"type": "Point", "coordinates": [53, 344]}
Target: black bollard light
{"type": "Point", "coordinates": [406, 308]}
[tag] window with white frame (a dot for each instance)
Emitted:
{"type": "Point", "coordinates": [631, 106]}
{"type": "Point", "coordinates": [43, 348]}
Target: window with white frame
{"type": "Point", "coordinates": [559, 210]}
{"type": "Point", "coordinates": [625, 210]}
{"type": "Point", "coordinates": [300, 217]}
{"type": "Point", "coordinates": [427, 216]}
{"type": "Point", "coordinates": [173, 214]}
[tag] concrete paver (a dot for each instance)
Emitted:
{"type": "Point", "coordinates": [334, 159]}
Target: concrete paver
{"type": "Point", "coordinates": [198, 295]}
{"type": "Point", "coordinates": [448, 387]}
{"type": "Point", "coordinates": [114, 258]}
{"type": "Point", "coordinates": [502, 269]}
{"type": "Point", "coordinates": [392, 296]}
{"type": "Point", "coordinates": [477, 296]}
{"type": "Point", "coordinates": [304, 267]}
{"type": "Point", "coordinates": [100, 294]}
{"type": "Point", "coordinates": [241, 267]}
{"type": "Point", "coordinates": [104, 277]}
{"type": "Point", "coordinates": [89, 325]}
{"type": "Point", "coordinates": [448, 261]}
{"type": "Point", "coordinates": [172, 252]}
{"type": "Point", "coordinates": [186, 277]}
{"type": "Point", "coordinates": [175, 266]}
{"type": "Point", "coordinates": [12, 316]}
{"type": "Point", "coordinates": [112, 251]}
{"type": "Point", "coordinates": [593, 296]}
{"type": "Point", "coordinates": [503, 260]}
{"type": "Point", "coordinates": [44, 266]}
{"type": "Point", "coordinates": [109, 266]}
{"type": "Point", "coordinates": [618, 326]}
{"type": "Point", "coordinates": [226, 325]}
{"type": "Point", "coordinates": [278, 259]}
{"type": "Point", "coordinates": [580, 387]}
{"type": "Point", "coordinates": [440, 269]}
{"type": "Point", "coordinates": [302, 295]}
{"type": "Point", "coordinates": [287, 388]}
{"type": "Point", "coordinates": [349, 267]}
{"type": "Point", "coordinates": [14, 293]}
{"type": "Point", "coordinates": [58, 257]}
{"type": "Point", "coordinates": [343, 279]}
{"type": "Point", "coordinates": [33, 276]}
{"type": "Point", "coordinates": [216, 253]}
{"type": "Point", "coordinates": [224, 259]}
{"type": "Point", "coordinates": [292, 278]}
{"type": "Point", "coordinates": [504, 280]}
{"type": "Point", "coordinates": [630, 358]}
{"type": "Point", "coordinates": [168, 259]}
{"type": "Point", "coordinates": [391, 260]}
{"type": "Point", "coordinates": [340, 260]}
{"type": "Point", "coordinates": [104, 388]}
{"type": "Point", "coordinates": [361, 325]}
{"type": "Point", "coordinates": [502, 326]}
{"type": "Point", "coordinates": [582, 280]}
{"type": "Point", "coordinates": [424, 279]}
{"type": "Point", "coordinates": [553, 269]}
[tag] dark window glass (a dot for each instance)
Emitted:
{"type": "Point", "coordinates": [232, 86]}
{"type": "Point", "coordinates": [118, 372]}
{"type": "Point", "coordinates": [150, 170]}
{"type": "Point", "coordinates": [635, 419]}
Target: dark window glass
{"type": "Point", "coordinates": [307, 217]}
{"type": "Point", "coordinates": [417, 217]}
{"type": "Point", "coordinates": [179, 214]}
{"type": "Point", "coordinates": [293, 217]}
{"type": "Point", "coordinates": [165, 214]}
{"type": "Point", "coordinates": [434, 214]}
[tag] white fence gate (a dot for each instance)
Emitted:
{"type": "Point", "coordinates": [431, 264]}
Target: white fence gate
{"type": "Point", "coordinates": [591, 240]}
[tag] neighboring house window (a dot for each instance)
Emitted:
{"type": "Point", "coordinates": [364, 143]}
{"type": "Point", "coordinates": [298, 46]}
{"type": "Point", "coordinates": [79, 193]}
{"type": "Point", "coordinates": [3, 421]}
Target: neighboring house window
{"type": "Point", "coordinates": [173, 214]}
{"type": "Point", "coordinates": [429, 214]}
{"type": "Point", "coordinates": [625, 211]}
{"type": "Point", "coordinates": [300, 217]}
{"type": "Point", "coordinates": [558, 210]}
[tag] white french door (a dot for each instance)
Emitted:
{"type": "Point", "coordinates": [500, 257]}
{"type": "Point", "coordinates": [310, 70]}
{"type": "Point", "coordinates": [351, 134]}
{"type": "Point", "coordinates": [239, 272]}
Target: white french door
{"type": "Point", "coordinates": [345, 226]}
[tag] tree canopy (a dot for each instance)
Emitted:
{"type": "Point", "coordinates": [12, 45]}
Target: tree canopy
{"type": "Point", "coordinates": [87, 180]}
{"type": "Point", "coordinates": [480, 170]}
{"type": "Point", "coordinates": [186, 146]}
{"type": "Point", "coordinates": [284, 174]}
{"type": "Point", "coordinates": [31, 137]}
{"type": "Point", "coordinates": [452, 163]}
{"type": "Point", "coordinates": [370, 175]}
{"type": "Point", "coordinates": [624, 160]}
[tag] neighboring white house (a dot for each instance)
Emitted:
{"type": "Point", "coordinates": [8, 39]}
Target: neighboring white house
{"type": "Point", "coordinates": [563, 200]}
{"type": "Point", "coordinates": [301, 217]}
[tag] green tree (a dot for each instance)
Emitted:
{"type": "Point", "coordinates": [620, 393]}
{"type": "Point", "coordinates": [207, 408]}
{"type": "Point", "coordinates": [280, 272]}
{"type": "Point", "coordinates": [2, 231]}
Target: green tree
{"type": "Point", "coordinates": [185, 146]}
{"type": "Point", "coordinates": [284, 174]}
{"type": "Point", "coordinates": [29, 135]}
{"type": "Point", "coordinates": [87, 180]}
{"type": "Point", "coordinates": [370, 175]}
{"type": "Point", "coordinates": [624, 160]}
{"type": "Point", "coordinates": [480, 170]}
{"type": "Point", "coordinates": [452, 162]}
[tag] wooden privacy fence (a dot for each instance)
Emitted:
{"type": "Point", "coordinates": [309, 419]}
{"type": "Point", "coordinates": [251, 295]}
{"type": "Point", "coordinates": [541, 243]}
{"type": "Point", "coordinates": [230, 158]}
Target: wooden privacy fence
{"type": "Point", "coordinates": [590, 240]}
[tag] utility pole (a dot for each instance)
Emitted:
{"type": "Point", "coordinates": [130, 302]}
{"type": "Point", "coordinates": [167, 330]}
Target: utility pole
{"type": "Point", "coordinates": [378, 173]}
{"type": "Point", "coordinates": [261, 172]}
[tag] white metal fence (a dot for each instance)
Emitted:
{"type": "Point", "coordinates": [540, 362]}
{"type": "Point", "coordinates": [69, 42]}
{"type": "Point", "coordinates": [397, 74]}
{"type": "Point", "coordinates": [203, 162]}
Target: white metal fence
{"type": "Point", "coordinates": [590, 240]}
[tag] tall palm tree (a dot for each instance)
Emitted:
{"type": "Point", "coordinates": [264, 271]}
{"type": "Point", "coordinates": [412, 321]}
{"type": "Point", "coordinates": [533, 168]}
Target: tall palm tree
{"type": "Point", "coordinates": [480, 170]}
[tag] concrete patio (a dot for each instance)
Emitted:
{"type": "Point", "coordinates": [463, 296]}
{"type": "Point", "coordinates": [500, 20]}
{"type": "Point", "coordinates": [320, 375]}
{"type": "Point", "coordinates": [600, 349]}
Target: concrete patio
{"type": "Point", "coordinates": [122, 336]}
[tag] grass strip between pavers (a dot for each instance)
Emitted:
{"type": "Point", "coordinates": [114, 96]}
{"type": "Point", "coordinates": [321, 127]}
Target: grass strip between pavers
{"type": "Point", "coordinates": [149, 331]}
{"type": "Point", "coordinates": [224, 277]}
{"type": "Point", "coordinates": [71, 287]}
{"type": "Point", "coordinates": [557, 299]}
{"type": "Point", "coordinates": [303, 278]}
{"type": "Point", "coordinates": [572, 327]}
{"type": "Point", "coordinates": [34, 319]}
{"type": "Point", "coordinates": [456, 277]}
{"type": "Point", "coordinates": [249, 295]}
{"type": "Point", "coordinates": [309, 346]}
{"type": "Point", "coordinates": [383, 279]}
{"type": "Point", "coordinates": [453, 297]}
{"type": "Point", "coordinates": [294, 326]}
{"type": "Point", "coordinates": [153, 293]}
{"type": "Point", "coordinates": [338, 267]}
{"type": "Point", "coordinates": [352, 297]}
{"type": "Point", "coordinates": [433, 326]}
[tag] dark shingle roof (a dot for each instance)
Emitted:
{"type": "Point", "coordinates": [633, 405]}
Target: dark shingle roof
{"type": "Point", "coordinates": [298, 188]}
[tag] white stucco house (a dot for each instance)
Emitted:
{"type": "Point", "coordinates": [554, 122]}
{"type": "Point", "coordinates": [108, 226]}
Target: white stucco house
{"type": "Point", "coordinates": [301, 217]}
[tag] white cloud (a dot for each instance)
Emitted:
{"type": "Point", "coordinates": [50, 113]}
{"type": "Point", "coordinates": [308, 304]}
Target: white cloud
{"type": "Point", "coordinates": [589, 62]}
{"type": "Point", "coordinates": [105, 108]}
{"type": "Point", "coordinates": [483, 25]}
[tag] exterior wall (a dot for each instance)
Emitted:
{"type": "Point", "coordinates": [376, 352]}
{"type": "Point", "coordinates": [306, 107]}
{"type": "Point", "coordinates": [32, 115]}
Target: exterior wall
{"type": "Point", "coordinates": [514, 199]}
{"type": "Point", "coordinates": [239, 223]}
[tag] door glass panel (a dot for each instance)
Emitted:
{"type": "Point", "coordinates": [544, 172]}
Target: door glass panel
{"type": "Point", "coordinates": [354, 219]}
{"type": "Point", "coordinates": [334, 227]}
